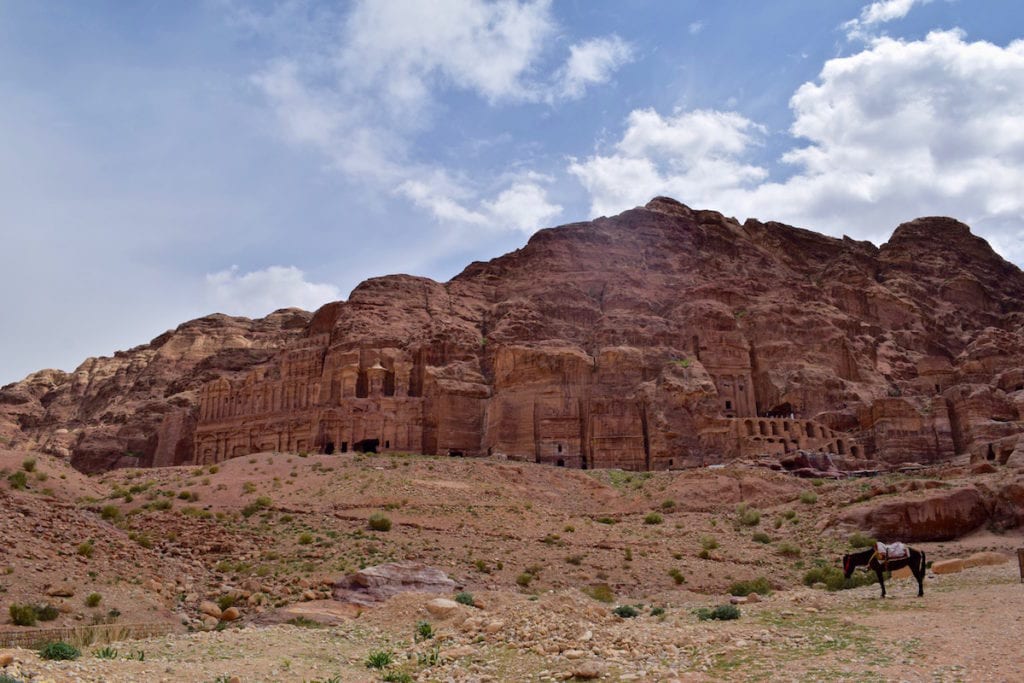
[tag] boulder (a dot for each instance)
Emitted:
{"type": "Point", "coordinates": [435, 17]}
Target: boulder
{"type": "Point", "coordinates": [939, 516]}
{"type": "Point", "coordinates": [442, 607]}
{"type": "Point", "coordinates": [378, 583]}
{"type": "Point", "coordinates": [6, 659]}
{"type": "Point", "coordinates": [61, 590]}
{"type": "Point", "coordinates": [985, 559]}
{"type": "Point", "coordinates": [230, 614]}
{"type": "Point", "coordinates": [948, 566]}
{"type": "Point", "coordinates": [588, 670]}
{"type": "Point", "coordinates": [210, 609]}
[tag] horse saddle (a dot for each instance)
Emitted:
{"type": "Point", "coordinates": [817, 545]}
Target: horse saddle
{"type": "Point", "coordinates": [888, 552]}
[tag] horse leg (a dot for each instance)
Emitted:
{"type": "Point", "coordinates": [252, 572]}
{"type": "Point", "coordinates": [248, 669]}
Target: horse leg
{"type": "Point", "coordinates": [919, 572]}
{"type": "Point", "coordinates": [881, 580]}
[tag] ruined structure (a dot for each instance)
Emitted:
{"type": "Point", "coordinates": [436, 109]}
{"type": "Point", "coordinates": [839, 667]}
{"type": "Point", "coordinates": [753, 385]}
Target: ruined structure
{"type": "Point", "coordinates": [661, 338]}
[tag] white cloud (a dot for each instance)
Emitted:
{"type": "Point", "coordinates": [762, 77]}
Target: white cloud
{"type": "Point", "coordinates": [899, 130]}
{"type": "Point", "coordinates": [364, 97]}
{"type": "Point", "coordinates": [695, 27]}
{"type": "Point", "coordinates": [694, 155]}
{"type": "Point", "coordinates": [880, 12]}
{"type": "Point", "coordinates": [259, 292]}
{"type": "Point", "coordinates": [591, 62]}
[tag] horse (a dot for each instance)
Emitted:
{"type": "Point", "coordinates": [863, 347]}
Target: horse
{"type": "Point", "coordinates": [871, 559]}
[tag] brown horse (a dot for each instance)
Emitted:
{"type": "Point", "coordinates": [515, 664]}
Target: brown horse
{"type": "Point", "coordinates": [870, 559]}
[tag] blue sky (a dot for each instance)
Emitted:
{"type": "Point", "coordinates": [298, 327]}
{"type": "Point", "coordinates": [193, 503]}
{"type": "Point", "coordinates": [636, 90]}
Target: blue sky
{"type": "Point", "coordinates": [161, 161]}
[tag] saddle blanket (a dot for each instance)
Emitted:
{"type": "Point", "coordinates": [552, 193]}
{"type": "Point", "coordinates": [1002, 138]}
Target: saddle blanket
{"type": "Point", "coordinates": [892, 551]}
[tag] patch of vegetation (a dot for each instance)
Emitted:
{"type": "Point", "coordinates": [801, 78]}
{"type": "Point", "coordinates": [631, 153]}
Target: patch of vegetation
{"type": "Point", "coordinates": [657, 611]}
{"type": "Point", "coordinates": [833, 577]}
{"type": "Point", "coordinates": [677, 576]}
{"type": "Point", "coordinates": [721, 613]}
{"type": "Point", "coordinates": [396, 677]}
{"type": "Point", "coordinates": [708, 542]}
{"type": "Point", "coordinates": [625, 611]}
{"type": "Point", "coordinates": [59, 650]}
{"type": "Point", "coordinates": [105, 653]}
{"type": "Point", "coordinates": [424, 631]}
{"type": "Point", "coordinates": [380, 522]}
{"type": "Point", "coordinates": [601, 592]}
{"type": "Point", "coordinates": [379, 659]}
{"type": "Point", "coordinates": [859, 540]}
{"type": "Point", "coordinates": [47, 612]}
{"type": "Point", "coordinates": [464, 598]}
{"type": "Point", "coordinates": [226, 601]}
{"type": "Point", "coordinates": [111, 513]}
{"type": "Point", "coordinates": [304, 622]}
{"type": "Point", "coordinates": [668, 505]}
{"type": "Point", "coordinates": [787, 549]}
{"type": "Point", "coordinates": [653, 518]}
{"type": "Point", "coordinates": [28, 464]}
{"type": "Point", "coordinates": [576, 560]}
{"type": "Point", "coordinates": [18, 480]}
{"type": "Point", "coordinates": [261, 503]}
{"type": "Point", "coordinates": [23, 615]}
{"type": "Point", "coordinates": [4, 678]}
{"type": "Point", "coordinates": [93, 600]}
{"type": "Point", "coordinates": [85, 549]}
{"type": "Point", "coordinates": [248, 487]}
{"type": "Point", "coordinates": [808, 497]}
{"type": "Point", "coordinates": [761, 537]}
{"type": "Point", "coordinates": [606, 520]}
{"type": "Point", "coordinates": [524, 579]}
{"type": "Point", "coordinates": [748, 516]}
{"type": "Point", "coordinates": [305, 538]}
{"type": "Point", "coordinates": [760, 585]}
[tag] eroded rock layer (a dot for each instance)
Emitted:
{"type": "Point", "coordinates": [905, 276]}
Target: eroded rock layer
{"type": "Point", "coordinates": [662, 337]}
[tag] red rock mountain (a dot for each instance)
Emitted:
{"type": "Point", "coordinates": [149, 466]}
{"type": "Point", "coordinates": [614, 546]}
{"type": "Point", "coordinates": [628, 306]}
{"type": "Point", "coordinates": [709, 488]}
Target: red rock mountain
{"type": "Point", "coordinates": [662, 337]}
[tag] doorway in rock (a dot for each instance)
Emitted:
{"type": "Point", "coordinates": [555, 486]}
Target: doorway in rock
{"type": "Point", "coordinates": [329, 448]}
{"type": "Point", "coordinates": [560, 463]}
{"type": "Point", "coordinates": [344, 446]}
{"type": "Point", "coordinates": [366, 446]}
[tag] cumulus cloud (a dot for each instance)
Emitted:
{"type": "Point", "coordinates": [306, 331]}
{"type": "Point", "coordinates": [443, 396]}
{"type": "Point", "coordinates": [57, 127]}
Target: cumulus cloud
{"type": "Point", "coordinates": [899, 130]}
{"type": "Point", "coordinates": [880, 12]}
{"type": "Point", "coordinates": [591, 62]}
{"type": "Point", "coordinates": [365, 97]}
{"type": "Point", "coordinates": [695, 27]}
{"type": "Point", "coordinates": [259, 292]}
{"type": "Point", "coordinates": [694, 154]}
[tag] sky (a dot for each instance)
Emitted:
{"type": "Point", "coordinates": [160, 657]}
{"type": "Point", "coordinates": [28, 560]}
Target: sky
{"type": "Point", "coordinates": [160, 161]}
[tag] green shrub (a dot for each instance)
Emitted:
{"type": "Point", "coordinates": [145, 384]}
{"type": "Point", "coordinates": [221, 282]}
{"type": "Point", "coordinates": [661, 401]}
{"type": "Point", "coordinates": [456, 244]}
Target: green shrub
{"type": "Point", "coordinates": [748, 516]}
{"type": "Point", "coordinates": [668, 505]}
{"type": "Point", "coordinates": [607, 520]}
{"type": "Point", "coordinates": [59, 650]}
{"type": "Point", "coordinates": [761, 537]}
{"type": "Point", "coordinates": [524, 579]}
{"type": "Point", "coordinates": [677, 576]}
{"type": "Point", "coordinates": [18, 480]}
{"type": "Point", "coordinates": [625, 611]}
{"type": "Point", "coordinates": [424, 631]}
{"type": "Point", "coordinates": [833, 577]}
{"type": "Point", "coordinates": [465, 598]}
{"type": "Point", "coordinates": [808, 497]}
{"type": "Point", "coordinates": [105, 653]}
{"type": "Point", "coordinates": [789, 514]}
{"type": "Point", "coordinates": [47, 612]}
{"type": "Point", "coordinates": [859, 540]}
{"type": "Point", "coordinates": [93, 600]}
{"type": "Point", "coordinates": [708, 542]}
{"type": "Point", "coordinates": [4, 678]}
{"type": "Point", "coordinates": [722, 613]}
{"type": "Point", "coordinates": [214, 469]}
{"type": "Point", "coordinates": [601, 592]}
{"type": "Point", "coordinates": [396, 677]}
{"type": "Point", "coordinates": [305, 538]}
{"type": "Point", "coordinates": [379, 659]}
{"type": "Point", "coordinates": [380, 522]}
{"type": "Point", "coordinates": [575, 560]}
{"type": "Point", "coordinates": [28, 464]}
{"type": "Point", "coordinates": [759, 585]}
{"type": "Point", "coordinates": [704, 554]}
{"type": "Point", "coordinates": [248, 487]}
{"type": "Point", "coordinates": [110, 513]}
{"type": "Point", "coordinates": [226, 601]}
{"type": "Point", "coordinates": [657, 611]}
{"type": "Point", "coordinates": [653, 518]}
{"type": "Point", "coordinates": [261, 503]}
{"type": "Point", "coordinates": [787, 549]}
{"type": "Point", "coordinates": [23, 615]}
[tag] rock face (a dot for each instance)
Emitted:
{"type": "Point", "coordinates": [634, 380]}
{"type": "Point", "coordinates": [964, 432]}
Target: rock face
{"type": "Point", "coordinates": [660, 338]}
{"type": "Point", "coordinates": [380, 582]}
{"type": "Point", "coordinates": [137, 408]}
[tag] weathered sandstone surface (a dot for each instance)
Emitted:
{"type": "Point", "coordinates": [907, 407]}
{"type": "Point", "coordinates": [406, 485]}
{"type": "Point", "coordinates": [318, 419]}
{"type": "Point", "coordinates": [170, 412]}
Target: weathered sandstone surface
{"type": "Point", "coordinates": [664, 337]}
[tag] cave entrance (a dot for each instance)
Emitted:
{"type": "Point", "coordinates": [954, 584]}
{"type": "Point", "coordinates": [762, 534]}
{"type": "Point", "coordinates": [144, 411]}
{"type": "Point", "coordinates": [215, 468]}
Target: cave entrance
{"type": "Point", "coordinates": [366, 446]}
{"type": "Point", "coordinates": [344, 446]}
{"type": "Point", "coordinates": [991, 453]}
{"type": "Point", "coordinates": [560, 463]}
{"type": "Point", "coordinates": [329, 448]}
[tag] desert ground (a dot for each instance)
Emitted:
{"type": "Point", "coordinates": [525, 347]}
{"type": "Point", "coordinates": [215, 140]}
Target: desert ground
{"type": "Point", "coordinates": [548, 556]}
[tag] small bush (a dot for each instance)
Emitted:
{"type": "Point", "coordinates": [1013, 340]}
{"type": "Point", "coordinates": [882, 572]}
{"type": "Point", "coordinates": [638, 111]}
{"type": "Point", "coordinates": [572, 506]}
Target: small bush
{"type": "Point", "coordinates": [607, 520]}
{"type": "Point", "coordinates": [524, 579]}
{"type": "Point", "coordinates": [379, 659]}
{"type": "Point", "coordinates": [601, 592]}
{"type": "Point", "coordinates": [708, 542]}
{"type": "Point", "coordinates": [721, 613]}
{"type": "Point", "coordinates": [226, 601]}
{"type": "Point", "coordinates": [214, 469]}
{"type": "Point", "coordinates": [625, 611]}
{"type": "Point", "coordinates": [23, 615]}
{"type": "Point", "coordinates": [748, 516]}
{"type": "Point", "coordinates": [85, 549]}
{"type": "Point", "coordinates": [704, 554]}
{"type": "Point", "coordinates": [380, 522]}
{"type": "Point", "coordinates": [575, 560]}
{"type": "Point", "coordinates": [424, 631]}
{"type": "Point", "coordinates": [28, 464]}
{"type": "Point", "coordinates": [657, 611]}
{"type": "Point", "coordinates": [261, 503]}
{"type": "Point", "coordinates": [761, 537]}
{"type": "Point", "coordinates": [787, 549]}
{"type": "Point", "coordinates": [653, 518]}
{"type": "Point", "coordinates": [110, 513]}
{"type": "Point", "coordinates": [93, 600]}
{"type": "Point", "coordinates": [668, 505]}
{"type": "Point", "coordinates": [305, 538]}
{"type": "Point", "coordinates": [465, 598]}
{"type": "Point", "coordinates": [834, 580]}
{"type": "Point", "coordinates": [859, 540]}
{"type": "Point", "coordinates": [808, 497]}
{"type": "Point", "coordinates": [105, 653]}
{"type": "Point", "coordinates": [397, 677]}
{"type": "Point", "coordinates": [677, 576]}
{"type": "Point", "coordinates": [47, 612]}
{"type": "Point", "coordinates": [759, 585]}
{"type": "Point", "coordinates": [59, 650]}
{"type": "Point", "coordinates": [18, 480]}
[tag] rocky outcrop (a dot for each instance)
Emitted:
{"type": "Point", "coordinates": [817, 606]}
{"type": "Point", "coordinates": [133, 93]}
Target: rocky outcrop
{"type": "Point", "coordinates": [663, 337]}
{"type": "Point", "coordinates": [940, 515]}
{"type": "Point", "coordinates": [376, 584]}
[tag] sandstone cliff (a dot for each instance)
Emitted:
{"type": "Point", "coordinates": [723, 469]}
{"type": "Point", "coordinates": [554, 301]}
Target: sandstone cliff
{"type": "Point", "coordinates": [662, 337]}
